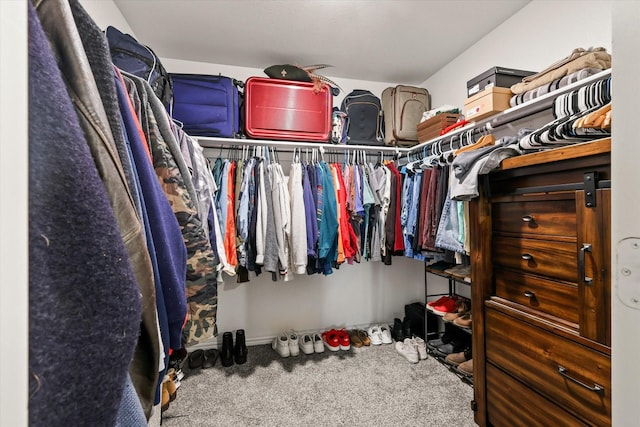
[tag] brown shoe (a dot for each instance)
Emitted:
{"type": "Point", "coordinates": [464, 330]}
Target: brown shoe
{"type": "Point", "coordinates": [466, 367]}
{"type": "Point", "coordinates": [455, 358]}
{"type": "Point", "coordinates": [171, 387]}
{"type": "Point", "coordinates": [166, 395]}
{"type": "Point", "coordinates": [464, 321]}
{"type": "Point", "coordinates": [355, 338]}
{"type": "Point", "coordinates": [364, 337]}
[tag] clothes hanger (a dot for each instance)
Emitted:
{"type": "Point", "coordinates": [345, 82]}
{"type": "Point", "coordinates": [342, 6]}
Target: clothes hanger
{"type": "Point", "coordinates": [435, 151]}
{"type": "Point", "coordinates": [484, 141]}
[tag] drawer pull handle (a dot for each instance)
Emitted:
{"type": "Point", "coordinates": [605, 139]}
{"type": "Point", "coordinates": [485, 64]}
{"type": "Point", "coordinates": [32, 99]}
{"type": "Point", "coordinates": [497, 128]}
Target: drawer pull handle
{"type": "Point", "coordinates": [529, 294]}
{"type": "Point", "coordinates": [586, 247]}
{"type": "Point", "coordinates": [528, 218]}
{"type": "Point", "coordinates": [598, 389]}
{"type": "Point", "coordinates": [527, 257]}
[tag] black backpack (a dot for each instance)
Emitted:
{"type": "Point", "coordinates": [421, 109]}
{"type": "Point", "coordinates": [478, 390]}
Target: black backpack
{"type": "Point", "coordinates": [366, 124]}
{"type": "Point", "coordinates": [139, 60]}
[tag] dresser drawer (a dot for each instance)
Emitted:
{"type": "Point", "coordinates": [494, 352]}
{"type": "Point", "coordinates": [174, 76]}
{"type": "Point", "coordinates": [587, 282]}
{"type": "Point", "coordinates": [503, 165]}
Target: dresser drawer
{"type": "Point", "coordinates": [511, 403]}
{"type": "Point", "coordinates": [553, 259]}
{"type": "Point", "coordinates": [558, 299]}
{"type": "Point", "coordinates": [536, 357]}
{"type": "Point", "coordinates": [547, 218]}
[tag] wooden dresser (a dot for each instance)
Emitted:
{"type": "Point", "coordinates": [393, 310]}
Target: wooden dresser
{"type": "Point", "coordinates": [541, 291]}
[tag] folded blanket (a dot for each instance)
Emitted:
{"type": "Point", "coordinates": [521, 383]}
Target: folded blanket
{"type": "Point", "coordinates": [554, 85]}
{"type": "Point", "coordinates": [594, 58]}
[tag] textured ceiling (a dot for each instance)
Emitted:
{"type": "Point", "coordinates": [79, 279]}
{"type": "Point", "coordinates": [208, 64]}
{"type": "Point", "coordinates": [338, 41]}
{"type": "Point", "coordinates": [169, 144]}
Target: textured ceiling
{"type": "Point", "coordinates": [402, 41]}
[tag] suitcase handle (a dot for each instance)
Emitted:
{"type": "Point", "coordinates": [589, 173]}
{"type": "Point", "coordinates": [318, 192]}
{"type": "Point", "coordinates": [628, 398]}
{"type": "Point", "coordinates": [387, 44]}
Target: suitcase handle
{"type": "Point", "coordinates": [453, 126]}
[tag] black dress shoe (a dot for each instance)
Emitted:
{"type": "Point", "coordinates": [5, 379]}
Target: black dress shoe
{"type": "Point", "coordinates": [406, 328]}
{"type": "Point", "coordinates": [240, 350]}
{"type": "Point", "coordinates": [226, 355]}
{"type": "Point", "coordinates": [396, 331]}
{"type": "Point", "coordinates": [210, 357]}
{"type": "Point", "coordinates": [196, 358]}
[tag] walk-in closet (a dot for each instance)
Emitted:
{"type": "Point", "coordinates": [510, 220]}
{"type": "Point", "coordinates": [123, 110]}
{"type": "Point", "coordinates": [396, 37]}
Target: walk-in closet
{"type": "Point", "coordinates": [478, 269]}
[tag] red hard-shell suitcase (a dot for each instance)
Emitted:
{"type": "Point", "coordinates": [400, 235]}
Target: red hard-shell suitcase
{"type": "Point", "coordinates": [287, 110]}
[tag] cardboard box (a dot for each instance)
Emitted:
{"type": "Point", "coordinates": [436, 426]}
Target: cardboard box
{"type": "Point", "coordinates": [431, 128]}
{"type": "Point", "coordinates": [487, 103]}
{"type": "Point", "coordinates": [496, 76]}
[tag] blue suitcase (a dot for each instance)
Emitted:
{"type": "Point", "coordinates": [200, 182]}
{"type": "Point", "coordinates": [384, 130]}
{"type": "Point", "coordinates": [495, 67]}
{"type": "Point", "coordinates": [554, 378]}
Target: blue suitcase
{"type": "Point", "coordinates": [207, 105]}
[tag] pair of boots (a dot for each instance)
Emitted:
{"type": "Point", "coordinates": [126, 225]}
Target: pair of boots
{"type": "Point", "coordinates": [231, 352]}
{"type": "Point", "coordinates": [401, 329]}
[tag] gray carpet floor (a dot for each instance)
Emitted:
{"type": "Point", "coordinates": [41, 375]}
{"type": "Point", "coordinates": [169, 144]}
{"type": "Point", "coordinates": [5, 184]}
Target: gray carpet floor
{"type": "Point", "coordinates": [371, 386]}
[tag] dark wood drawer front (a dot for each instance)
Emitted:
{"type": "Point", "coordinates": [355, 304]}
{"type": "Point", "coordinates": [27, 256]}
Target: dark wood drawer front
{"type": "Point", "coordinates": [510, 403]}
{"type": "Point", "coordinates": [536, 357]}
{"type": "Point", "coordinates": [554, 218]}
{"type": "Point", "coordinates": [557, 260]}
{"type": "Point", "coordinates": [548, 296]}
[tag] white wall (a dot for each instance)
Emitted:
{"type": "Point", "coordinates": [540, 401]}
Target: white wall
{"type": "Point", "coordinates": [105, 13]}
{"type": "Point", "coordinates": [354, 295]}
{"type": "Point", "coordinates": [625, 192]}
{"type": "Point", "coordinates": [14, 298]}
{"type": "Point", "coordinates": [538, 35]}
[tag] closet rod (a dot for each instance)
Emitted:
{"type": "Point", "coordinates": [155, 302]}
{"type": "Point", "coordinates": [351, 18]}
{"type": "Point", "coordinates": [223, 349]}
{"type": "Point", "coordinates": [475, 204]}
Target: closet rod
{"type": "Point", "coordinates": [427, 144]}
{"type": "Point", "coordinates": [215, 142]}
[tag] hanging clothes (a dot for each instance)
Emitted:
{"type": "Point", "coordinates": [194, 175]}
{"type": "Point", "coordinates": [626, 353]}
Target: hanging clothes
{"type": "Point", "coordinates": [328, 228]}
{"type": "Point", "coordinates": [201, 286]}
{"type": "Point", "coordinates": [58, 21]}
{"type": "Point", "coordinates": [61, 305]}
{"type": "Point", "coordinates": [310, 217]}
{"type": "Point", "coordinates": [298, 236]}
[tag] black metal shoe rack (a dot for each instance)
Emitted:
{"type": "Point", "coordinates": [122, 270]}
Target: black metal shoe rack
{"type": "Point", "coordinates": [432, 333]}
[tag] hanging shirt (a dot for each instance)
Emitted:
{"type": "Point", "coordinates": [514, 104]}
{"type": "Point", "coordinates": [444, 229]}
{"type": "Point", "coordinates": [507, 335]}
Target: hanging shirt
{"type": "Point", "coordinates": [423, 212]}
{"type": "Point", "coordinates": [261, 222]}
{"type": "Point", "coordinates": [328, 242]}
{"type": "Point", "coordinates": [310, 215]}
{"type": "Point", "coordinates": [282, 216]}
{"type": "Point", "coordinates": [383, 176]}
{"type": "Point", "coordinates": [230, 220]}
{"type": "Point", "coordinates": [298, 236]}
{"type": "Point", "coordinates": [340, 196]}
{"type": "Point", "coordinates": [222, 197]}
{"type": "Point", "coordinates": [407, 201]}
{"type": "Point", "coordinates": [368, 201]}
{"type": "Point", "coordinates": [398, 245]}
{"type": "Point", "coordinates": [271, 243]}
{"type": "Point", "coordinates": [242, 218]}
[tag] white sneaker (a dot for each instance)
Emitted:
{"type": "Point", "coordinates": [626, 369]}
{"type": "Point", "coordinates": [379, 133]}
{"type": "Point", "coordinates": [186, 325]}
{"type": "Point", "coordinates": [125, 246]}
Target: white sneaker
{"type": "Point", "coordinates": [294, 349]}
{"type": "Point", "coordinates": [306, 344]}
{"type": "Point", "coordinates": [385, 334]}
{"type": "Point", "coordinates": [281, 345]}
{"type": "Point", "coordinates": [318, 344]}
{"type": "Point", "coordinates": [421, 346]}
{"type": "Point", "coordinates": [408, 349]}
{"type": "Point", "coordinates": [374, 335]}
